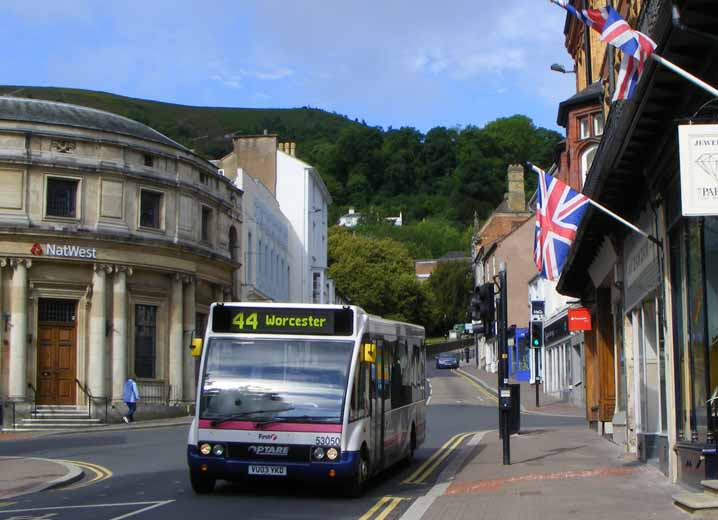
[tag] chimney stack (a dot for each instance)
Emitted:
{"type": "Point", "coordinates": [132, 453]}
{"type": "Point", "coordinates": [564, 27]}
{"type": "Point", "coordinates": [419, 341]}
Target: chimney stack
{"type": "Point", "coordinates": [516, 194]}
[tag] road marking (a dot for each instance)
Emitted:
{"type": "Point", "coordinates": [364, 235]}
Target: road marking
{"type": "Point", "coordinates": [427, 468]}
{"type": "Point", "coordinates": [477, 385]}
{"type": "Point", "coordinates": [422, 504]}
{"type": "Point", "coordinates": [389, 503]}
{"type": "Point", "coordinates": [120, 504]}
{"type": "Point", "coordinates": [431, 392]}
{"type": "Point", "coordinates": [101, 473]}
{"type": "Point", "coordinates": [159, 504]}
{"type": "Point", "coordinates": [5, 504]}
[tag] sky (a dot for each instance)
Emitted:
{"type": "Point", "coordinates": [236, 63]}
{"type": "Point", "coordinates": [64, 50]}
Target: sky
{"type": "Point", "coordinates": [391, 63]}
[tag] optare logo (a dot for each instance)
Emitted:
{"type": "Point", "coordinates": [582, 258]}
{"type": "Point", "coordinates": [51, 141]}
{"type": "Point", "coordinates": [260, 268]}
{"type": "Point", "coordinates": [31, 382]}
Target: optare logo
{"type": "Point", "coordinates": [269, 451]}
{"type": "Point", "coordinates": [36, 249]}
{"type": "Point", "coordinates": [267, 436]}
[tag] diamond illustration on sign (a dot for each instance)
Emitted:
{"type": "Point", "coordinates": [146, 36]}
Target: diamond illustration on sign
{"type": "Point", "coordinates": [709, 164]}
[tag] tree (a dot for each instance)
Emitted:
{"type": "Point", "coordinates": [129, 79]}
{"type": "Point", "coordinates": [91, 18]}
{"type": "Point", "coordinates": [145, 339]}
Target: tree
{"type": "Point", "coordinates": [377, 275]}
{"type": "Point", "coordinates": [451, 287]}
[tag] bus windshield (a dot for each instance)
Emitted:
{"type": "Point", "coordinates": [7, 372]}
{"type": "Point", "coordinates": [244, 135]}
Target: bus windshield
{"type": "Point", "coordinates": [275, 379]}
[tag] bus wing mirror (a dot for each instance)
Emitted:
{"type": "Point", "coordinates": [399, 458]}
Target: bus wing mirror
{"type": "Point", "coordinates": [368, 353]}
{"type": "Point", "coordinates": [196, 347]}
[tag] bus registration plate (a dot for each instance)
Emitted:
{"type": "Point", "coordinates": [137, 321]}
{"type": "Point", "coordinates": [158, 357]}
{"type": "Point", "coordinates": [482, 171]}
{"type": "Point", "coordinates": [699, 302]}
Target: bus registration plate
{"type": "Point", "coordinates": [279, 471]}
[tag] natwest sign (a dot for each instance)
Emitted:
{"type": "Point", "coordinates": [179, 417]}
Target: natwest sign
{"type": "Point", "coordinates": [579, 319]}
{"type": "Point", "coordinates": [65, 251]}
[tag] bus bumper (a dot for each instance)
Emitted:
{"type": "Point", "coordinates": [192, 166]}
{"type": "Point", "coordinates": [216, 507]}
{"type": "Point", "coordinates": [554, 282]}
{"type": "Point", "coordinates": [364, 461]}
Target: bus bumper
{"type": "Point", "coordinates": [233, 469]}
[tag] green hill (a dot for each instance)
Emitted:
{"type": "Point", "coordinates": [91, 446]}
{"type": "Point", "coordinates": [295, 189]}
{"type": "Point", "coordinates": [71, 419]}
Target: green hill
{"type": "Point", "coordinates": [206, 130]}
{"type": "Point", "coordinates": [438, 180]}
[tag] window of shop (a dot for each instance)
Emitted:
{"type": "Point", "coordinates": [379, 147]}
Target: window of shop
{"type": "Point", "coordinates": [710, 241]}
{"type": "Point", "coordinates": [61, 200]}
{"type": "Point", "coordinates": [685, 419]}
{"type": "Point", "coordinates": [650, 367]}
{"type": "Point", "coordinates": [151, 209]}
{"type": "Point", "coordinates": [145, 340]}
{"type": "Point", "coordinates": [694, 254]}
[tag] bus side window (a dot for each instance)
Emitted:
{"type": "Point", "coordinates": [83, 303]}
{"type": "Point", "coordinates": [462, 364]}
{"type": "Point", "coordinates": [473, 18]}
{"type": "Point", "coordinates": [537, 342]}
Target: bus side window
{"type": "Point", "coordinates": [360, 392]}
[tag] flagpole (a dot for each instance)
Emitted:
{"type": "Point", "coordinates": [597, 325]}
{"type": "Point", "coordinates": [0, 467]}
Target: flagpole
{"type": "Point", "coordinates": [687, 75]}
{"type": "Point", "coordinates": [624, 221]}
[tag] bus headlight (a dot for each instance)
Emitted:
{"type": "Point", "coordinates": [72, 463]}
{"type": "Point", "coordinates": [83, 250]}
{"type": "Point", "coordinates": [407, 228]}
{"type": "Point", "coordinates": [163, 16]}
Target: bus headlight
{"type": "Point", "coordinates": [332, 453]}
{"type": "Point", "coordinates": [318, 453]}
{"type": "Point", "coordinates": [205, 449]}
{"type": "Point", "coordinates": [218, 450]}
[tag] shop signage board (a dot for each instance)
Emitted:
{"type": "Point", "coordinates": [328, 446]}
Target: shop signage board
{"type": "Point", "coordinates": [579, 319]}
{"type": "Point", "coordinates": [699, 169]}
{"type": "Point", "coordinates": [64, 251]}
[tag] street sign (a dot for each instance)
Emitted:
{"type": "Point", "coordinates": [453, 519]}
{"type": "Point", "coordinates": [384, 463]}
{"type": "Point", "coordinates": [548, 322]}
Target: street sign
{"type": "Point", "coordinates": [579, 319]}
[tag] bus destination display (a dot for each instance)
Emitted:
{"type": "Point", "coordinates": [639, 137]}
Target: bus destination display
{"type": "Point", "coordinates": [267, 320]}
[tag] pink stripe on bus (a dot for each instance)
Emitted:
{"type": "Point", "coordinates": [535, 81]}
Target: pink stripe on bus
{"type": "Point", "coordinates": [275, 427]}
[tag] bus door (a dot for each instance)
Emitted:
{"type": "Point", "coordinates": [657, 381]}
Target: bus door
{"type": "Point", "coordinates": [378, 385]}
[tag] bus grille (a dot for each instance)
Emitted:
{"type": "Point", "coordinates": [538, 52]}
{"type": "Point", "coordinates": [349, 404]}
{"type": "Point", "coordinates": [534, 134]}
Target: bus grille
{"type": "Point", "coordinates": [268, 452]}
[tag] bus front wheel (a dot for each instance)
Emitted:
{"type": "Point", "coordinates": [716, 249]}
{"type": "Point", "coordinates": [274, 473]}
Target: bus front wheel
{"type": "Point", "coordinates": [354, 488]}
{"type": "Point", "coordinates": [200, 483]}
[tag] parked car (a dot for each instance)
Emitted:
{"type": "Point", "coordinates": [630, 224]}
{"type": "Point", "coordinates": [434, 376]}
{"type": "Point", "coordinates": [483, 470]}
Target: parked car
{"type": "Point", "coordinates": [447, 360]}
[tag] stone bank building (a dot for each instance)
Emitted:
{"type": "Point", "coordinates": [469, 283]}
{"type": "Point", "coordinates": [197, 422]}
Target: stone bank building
{"type": "Point", "coordinates": [114, 240]}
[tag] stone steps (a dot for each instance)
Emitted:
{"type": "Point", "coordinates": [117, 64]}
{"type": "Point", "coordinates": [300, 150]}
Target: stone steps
{"type": "Point", "coordinates": [700, 505]}
{"type": "Point", "coordinates": [49, 418]}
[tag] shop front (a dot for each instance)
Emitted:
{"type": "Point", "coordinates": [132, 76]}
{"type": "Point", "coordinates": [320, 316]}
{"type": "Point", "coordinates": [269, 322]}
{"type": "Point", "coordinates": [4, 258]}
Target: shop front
{"type": "Point", "coordinates": [643, 307]}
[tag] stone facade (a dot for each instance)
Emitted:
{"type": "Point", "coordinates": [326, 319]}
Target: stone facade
{"type": "Point", "coordinates": [114, 241]}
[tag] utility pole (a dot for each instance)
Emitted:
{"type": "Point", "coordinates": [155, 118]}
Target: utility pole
{"type": "Point", "coordinates": [504, 389]}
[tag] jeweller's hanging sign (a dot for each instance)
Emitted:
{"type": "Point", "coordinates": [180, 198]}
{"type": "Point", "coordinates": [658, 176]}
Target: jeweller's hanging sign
{"type": "Point", "coordinates": [699, 169]}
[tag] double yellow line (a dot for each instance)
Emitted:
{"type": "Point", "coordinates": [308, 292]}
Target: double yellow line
{"type": "Point", "coordinates": [427, 468]}
{"type": "Point", "coordinates": [101, 473]}
{"type": "Point", "coordinates": [383, 507]}
{"type": "Point", "coordinates": [480, 388]}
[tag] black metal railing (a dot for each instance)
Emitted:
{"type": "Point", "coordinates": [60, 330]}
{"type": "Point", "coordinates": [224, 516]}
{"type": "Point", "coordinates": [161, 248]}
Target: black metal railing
{"type": "Point", "coordinates": [91, 399]}
{"type": "Point", "coordinates": [154, 392]}
{"type": "Point", "coordinates": [34, 399]}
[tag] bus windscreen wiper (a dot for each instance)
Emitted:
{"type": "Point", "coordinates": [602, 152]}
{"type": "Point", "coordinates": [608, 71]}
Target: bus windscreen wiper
{"type": "Point", "coordinates": [244, 415]}
{"type": "Point", "coordinates": [305, 418]}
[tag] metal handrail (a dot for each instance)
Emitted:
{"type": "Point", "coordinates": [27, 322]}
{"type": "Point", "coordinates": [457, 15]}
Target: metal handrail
{"type": "Point", "coordinates": [91, 398]}
{"type": "Point", "coordinates": [34, 399]}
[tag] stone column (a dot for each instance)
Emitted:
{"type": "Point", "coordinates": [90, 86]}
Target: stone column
{"type": "Point", "coordinates": [96, 359]}
{"type": "Point", "coordinates": [188, 321]}
{"type": "Point", "coordinates": [175, 340]}
{"type": "Point", "coordinates": [17, 373]}
{"type": "Point", "coordinates": [119, 330]}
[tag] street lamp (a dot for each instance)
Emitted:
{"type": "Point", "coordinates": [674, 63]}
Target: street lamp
{"type": "Point", "coordinates": [556, 67]}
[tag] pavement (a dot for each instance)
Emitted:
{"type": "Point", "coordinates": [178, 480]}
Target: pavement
{"type": "Point", "coordinates": [548, 404]}
{"type": "Point", "coordinates": [24, 475]}
{"type": "Point", "coordinates": [552, 473]}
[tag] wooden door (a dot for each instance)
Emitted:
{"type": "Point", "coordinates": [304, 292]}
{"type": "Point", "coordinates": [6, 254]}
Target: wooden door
{"type": "Point", "coordinates": [56, 360]}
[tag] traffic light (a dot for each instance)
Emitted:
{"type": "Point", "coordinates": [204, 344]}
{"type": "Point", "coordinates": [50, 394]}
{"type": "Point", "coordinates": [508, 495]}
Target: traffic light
{"type": "Point", "coordinates": [486, 308]}
{"type": "Point", "coordinates": [475, 305]}
{"type": "Point", "coordinates": [536, 334]}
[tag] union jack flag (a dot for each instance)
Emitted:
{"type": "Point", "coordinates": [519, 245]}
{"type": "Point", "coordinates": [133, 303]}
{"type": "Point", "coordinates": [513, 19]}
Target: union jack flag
{"type": "Point", "coordinates": [635, 45]}
{"type": "Point", "coordinates": [559, 210]}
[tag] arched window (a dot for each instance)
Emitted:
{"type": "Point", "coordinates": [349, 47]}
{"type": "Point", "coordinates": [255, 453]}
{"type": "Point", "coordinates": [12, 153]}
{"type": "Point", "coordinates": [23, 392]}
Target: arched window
{"type": "Point", "coordinates": [586, 160]}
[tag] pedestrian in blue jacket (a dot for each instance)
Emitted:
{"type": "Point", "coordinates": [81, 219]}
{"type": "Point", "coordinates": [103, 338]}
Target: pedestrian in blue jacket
{"type": "Point", "coordinates": [131, 395]}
